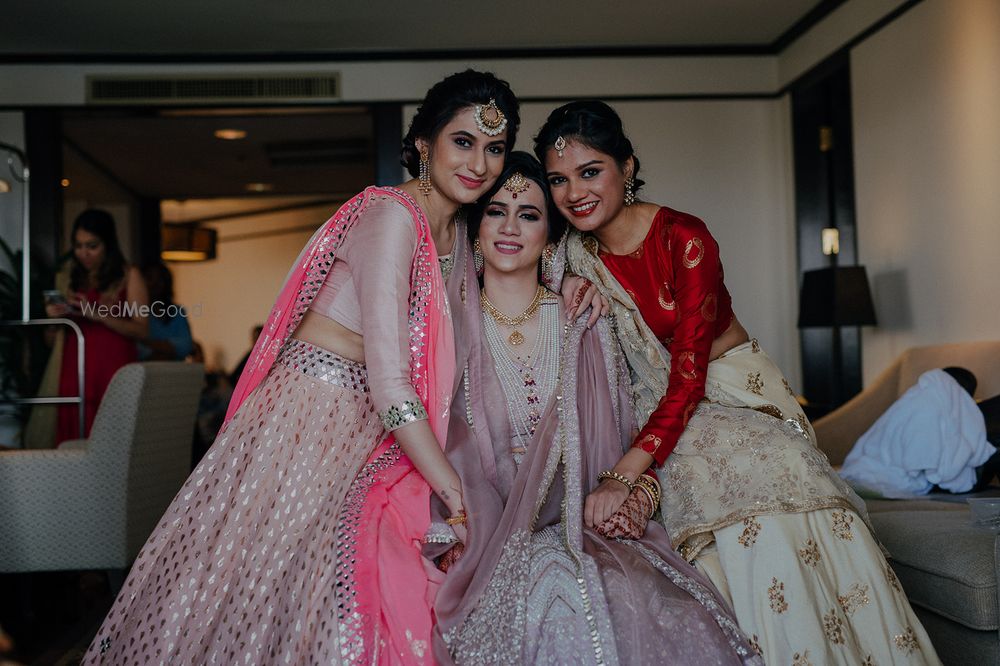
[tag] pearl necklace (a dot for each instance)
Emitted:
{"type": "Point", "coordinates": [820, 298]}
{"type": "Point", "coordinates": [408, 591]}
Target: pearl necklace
{"type": "Point", "coordinates": [516, 337]}
{"type": "Point", "coordinates": [527, 384]}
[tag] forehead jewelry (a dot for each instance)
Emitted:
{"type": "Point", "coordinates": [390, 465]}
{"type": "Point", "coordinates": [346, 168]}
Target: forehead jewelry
{"type": "Point", "coordinates": [516, 184]}
{"type": "Point", "coordinates": [559, 145]}
{"type": "Point", "coordinates": [490, 119]}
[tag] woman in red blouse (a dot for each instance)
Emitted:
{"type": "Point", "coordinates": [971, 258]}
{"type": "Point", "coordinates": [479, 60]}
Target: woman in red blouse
{"type": "Point", "coordinates": [746, 495]}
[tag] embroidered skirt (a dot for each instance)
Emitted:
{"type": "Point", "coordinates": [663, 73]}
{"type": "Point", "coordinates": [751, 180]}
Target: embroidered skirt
{"type": "Point", "coordinates": [251, 563]}
{"type": "Point", "coordinates": [814, 588]}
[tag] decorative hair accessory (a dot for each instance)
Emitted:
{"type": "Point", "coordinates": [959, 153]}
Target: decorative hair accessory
{"type": "Point", "coordinates": [559, 145]}
{"type": "Point", "coordinates": [629, 191]}
{"type": "Point", "coordinates": [548, 263]}
{"type": "Point", "coordinates": [490, 119]}
{"type": "Point", "coordinates": [477, 257]}
{"type": "Point", "coordinates": [424, 172]}
{"type": "Point", "coordinates": [516, 184]}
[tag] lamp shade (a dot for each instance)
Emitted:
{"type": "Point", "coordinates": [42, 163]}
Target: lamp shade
{"type": "Point", "coordinates": [836, 296]}
{"type": "Point", "coordinates": [181, 242]}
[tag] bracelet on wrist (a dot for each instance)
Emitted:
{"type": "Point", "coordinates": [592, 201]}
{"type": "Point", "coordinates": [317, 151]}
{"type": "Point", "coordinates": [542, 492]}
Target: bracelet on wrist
{"type": "Point", "coordinates": [650, 485]}
{"type": "Point", "coordinates": [615, 476]}
{"type": "Point", "coordinates": [456, 519]}
{"type": "Point", "coordinates": [652, 501]}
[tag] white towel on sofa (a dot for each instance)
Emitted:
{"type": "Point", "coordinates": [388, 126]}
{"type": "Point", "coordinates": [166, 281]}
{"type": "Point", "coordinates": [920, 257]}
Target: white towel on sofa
{"type": "Point", "coordinates": [933, 434]}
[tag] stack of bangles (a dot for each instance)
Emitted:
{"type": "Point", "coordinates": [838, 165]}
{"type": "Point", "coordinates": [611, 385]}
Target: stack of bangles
{"type": "Point", "coordinates": [458, 519]}
{"type": "Point", "coordinates": [651, 487]}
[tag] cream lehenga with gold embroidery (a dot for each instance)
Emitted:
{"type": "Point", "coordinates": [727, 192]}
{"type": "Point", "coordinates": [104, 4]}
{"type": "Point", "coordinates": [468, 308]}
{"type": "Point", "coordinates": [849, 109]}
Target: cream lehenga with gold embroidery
{"type": "Point", "coordinates": [754, 504]}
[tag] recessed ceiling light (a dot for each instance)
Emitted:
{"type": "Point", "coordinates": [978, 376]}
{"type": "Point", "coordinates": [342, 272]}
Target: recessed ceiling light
{"type": "Point", "coordinates": [64, 182]}
{"type": "Point", "coordinates": [260, 187]}
{"type": "Point", "coordinates": [230, 134]}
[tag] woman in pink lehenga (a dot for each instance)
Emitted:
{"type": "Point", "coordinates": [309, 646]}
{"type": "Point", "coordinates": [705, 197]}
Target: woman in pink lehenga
{"type": "Point", "coordinates": [296, 539]}
{"type": "Point", "coordinates": [543, 409]}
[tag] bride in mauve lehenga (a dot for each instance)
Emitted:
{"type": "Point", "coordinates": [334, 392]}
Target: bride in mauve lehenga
{"type": "Point", "coordinates": [541, 411]}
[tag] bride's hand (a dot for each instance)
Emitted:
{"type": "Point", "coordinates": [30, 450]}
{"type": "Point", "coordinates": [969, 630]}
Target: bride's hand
{"type": "Point", "coordinates": [579, 294]}
{"type": "Point", "coordinates": [604, 501]}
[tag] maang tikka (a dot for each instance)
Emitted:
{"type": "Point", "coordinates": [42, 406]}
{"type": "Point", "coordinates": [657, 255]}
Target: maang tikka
{"type": "Point", "coordinates": [516, 184]}
{"type": "Point", "coordinates": [559, 145]}
{"type": "Point", "coordinates": [490, 119]}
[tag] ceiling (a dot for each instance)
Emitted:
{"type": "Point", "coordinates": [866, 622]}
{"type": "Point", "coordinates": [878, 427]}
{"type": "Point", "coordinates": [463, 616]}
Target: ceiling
{"type": "Point", "coordinates": [175, 155]}
{"type": "Point", "coordinates": [327, 28]}
{"type": "Point", "coordinates": [326, 150]}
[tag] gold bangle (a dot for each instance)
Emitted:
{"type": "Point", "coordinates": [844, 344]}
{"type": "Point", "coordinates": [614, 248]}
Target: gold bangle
{"type": "Point", "coordinates": [651, 485]}
{"type": "Point", "coordinates": [615, 476]}
{"type": "Point", "coordinates": [652, 501]}
{"type": "Point", "coordinates": [458, 519]}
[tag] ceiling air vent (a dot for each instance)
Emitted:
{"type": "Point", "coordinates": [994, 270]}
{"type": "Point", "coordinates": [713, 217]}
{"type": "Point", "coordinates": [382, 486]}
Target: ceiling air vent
{"type": "Point", "coordinates": [213, 89]}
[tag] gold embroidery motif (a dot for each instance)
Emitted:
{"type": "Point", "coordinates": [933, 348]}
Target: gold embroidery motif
{"type": "Point", "coordinates": [855, 598]}
{"type": "Point", "coordinates": [788, 387]}
{"type": "Point", "coordinates": [906, 642]}
{"type": "Point", "coordinates": [666, 300]}
{"type": "Point", "coordinates": [756, 645]}
{"type": "Point", "coordinates": [710, 308]}
{"type": "Point", "coordinates": [631, 294]}
{"type": "Point", "coordinates": [842, 525]}
{"type": "Point", "coordinates": [801, 659]}
{"type": "Point", "coordinates": [754, 346]}
{"type": "Point", "coordinates": [686, 365]}
{"type": "Point", "coordinates": [810, 553]}
{"type": "Point", "coordinates": [803, 423]}
{"type": "Point", "coordinates": [754, 383]}
{"type": "Point", "coordinates": [833, 627]}
{"type": "Point", "coordinates": [694, 243]}
{"type": "Point", "coordinates": [751, 528]}
{"type": "Point", "coordinates": [890, 577]}
{"type": "Point", "coordinates": [869, 661]}
{"type": "Point", "coordinates": [590, 244]}
{"type": "Point", "coordinates": [650, 443]}
{"type": "Point", "coordinates": [770, 410]}
{"type": "Point", "coordinates": [463, 292]}
{"type": "Point", "coordinates": [688, 411]}
{"type": "Point", "coordinates": [776, 593]}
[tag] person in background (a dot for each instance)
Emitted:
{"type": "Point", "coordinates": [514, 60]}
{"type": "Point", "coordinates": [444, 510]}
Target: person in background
{"type": "Point", "coordinates": [106, 298]}
{"type": "Point", "coordinates": [238, 370]}
{"type": "Point", "coordinates": [169, 337]}
{"type": "Point", "coordinates": [935, 436]}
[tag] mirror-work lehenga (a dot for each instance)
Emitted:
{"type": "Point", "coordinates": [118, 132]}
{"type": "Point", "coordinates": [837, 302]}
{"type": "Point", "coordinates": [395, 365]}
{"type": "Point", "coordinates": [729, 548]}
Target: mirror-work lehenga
{"type": "Point", "coordinates": [747, 495]}
{"type": "Point", "coordinates": [296, 539]}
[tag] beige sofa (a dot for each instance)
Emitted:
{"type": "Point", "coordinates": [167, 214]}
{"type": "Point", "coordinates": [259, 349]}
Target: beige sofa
{"type": "Point", "coordinates": [949, 569]}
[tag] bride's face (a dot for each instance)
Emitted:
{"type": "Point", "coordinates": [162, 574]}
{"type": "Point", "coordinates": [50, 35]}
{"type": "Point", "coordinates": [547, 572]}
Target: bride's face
{"type": "Point", "coordinates": [513, 231]}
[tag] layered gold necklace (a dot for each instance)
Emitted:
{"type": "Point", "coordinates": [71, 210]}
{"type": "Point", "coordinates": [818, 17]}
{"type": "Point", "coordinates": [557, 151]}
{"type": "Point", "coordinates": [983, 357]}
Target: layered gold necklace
{"type": "Point", "coordinates": [516, 337]}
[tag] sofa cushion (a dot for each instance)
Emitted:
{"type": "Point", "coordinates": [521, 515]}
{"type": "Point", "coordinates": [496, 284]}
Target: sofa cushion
{"type": "Point", "coordinates": [944, 564]}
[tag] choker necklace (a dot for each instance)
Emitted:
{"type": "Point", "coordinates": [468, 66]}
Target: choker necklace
{"type": "Point", "coordinates": [516, 337]}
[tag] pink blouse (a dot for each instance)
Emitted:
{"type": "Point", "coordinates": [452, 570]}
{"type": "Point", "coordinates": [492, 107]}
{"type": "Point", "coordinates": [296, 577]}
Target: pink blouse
{"type": "Point", "coordinates": [367, 291]}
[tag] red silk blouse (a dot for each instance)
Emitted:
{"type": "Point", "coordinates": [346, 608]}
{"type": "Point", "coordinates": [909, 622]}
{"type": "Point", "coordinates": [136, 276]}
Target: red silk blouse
{"type": "Point", "coordinates": [675, 279]}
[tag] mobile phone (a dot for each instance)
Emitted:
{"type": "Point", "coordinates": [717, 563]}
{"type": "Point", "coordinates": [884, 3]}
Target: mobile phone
{"type": "Point", "coordinates": [54, 297]}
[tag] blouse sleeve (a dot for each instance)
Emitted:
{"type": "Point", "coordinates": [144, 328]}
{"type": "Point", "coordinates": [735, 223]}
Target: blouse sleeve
{"type": "Point", "coordinates": [379, 253]}
{"type": "Point", "coordinates": [696, 270]}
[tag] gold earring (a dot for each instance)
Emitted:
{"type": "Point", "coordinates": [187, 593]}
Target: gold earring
{"type": "Point", "coordinates": [424, 172]}
{"type": "Point", "coordinates": [548, 263]}
{"type": "Point", "coordinates": [477, 257]}
{"type": "Point", "coordinates": [629, 191]}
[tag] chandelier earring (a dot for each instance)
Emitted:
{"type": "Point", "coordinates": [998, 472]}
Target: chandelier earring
{"type": "Point", "coordinates": [629, 191]}
{"type": "Point", "coordinates": [424, 172]}
{"type": "Point", "coordinates": [477, 257]}
{"type": "Point", "coordinates": [548, 263]}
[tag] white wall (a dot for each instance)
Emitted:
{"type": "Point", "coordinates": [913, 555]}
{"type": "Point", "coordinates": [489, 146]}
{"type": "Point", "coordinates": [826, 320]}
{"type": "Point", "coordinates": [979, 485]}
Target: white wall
{"type": "Point", "coordinates": [230, 295]}
{"type": "Point", "coordinates": [926, 95]}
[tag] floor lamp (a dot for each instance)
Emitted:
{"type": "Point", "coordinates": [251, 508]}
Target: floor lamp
{"type": "Point", "coordinates": [831, 298]}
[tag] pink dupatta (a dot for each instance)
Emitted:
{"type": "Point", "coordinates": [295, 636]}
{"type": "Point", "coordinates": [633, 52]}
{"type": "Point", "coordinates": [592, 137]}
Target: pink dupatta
{"type": "Point", "coordinates": [391, 619]}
